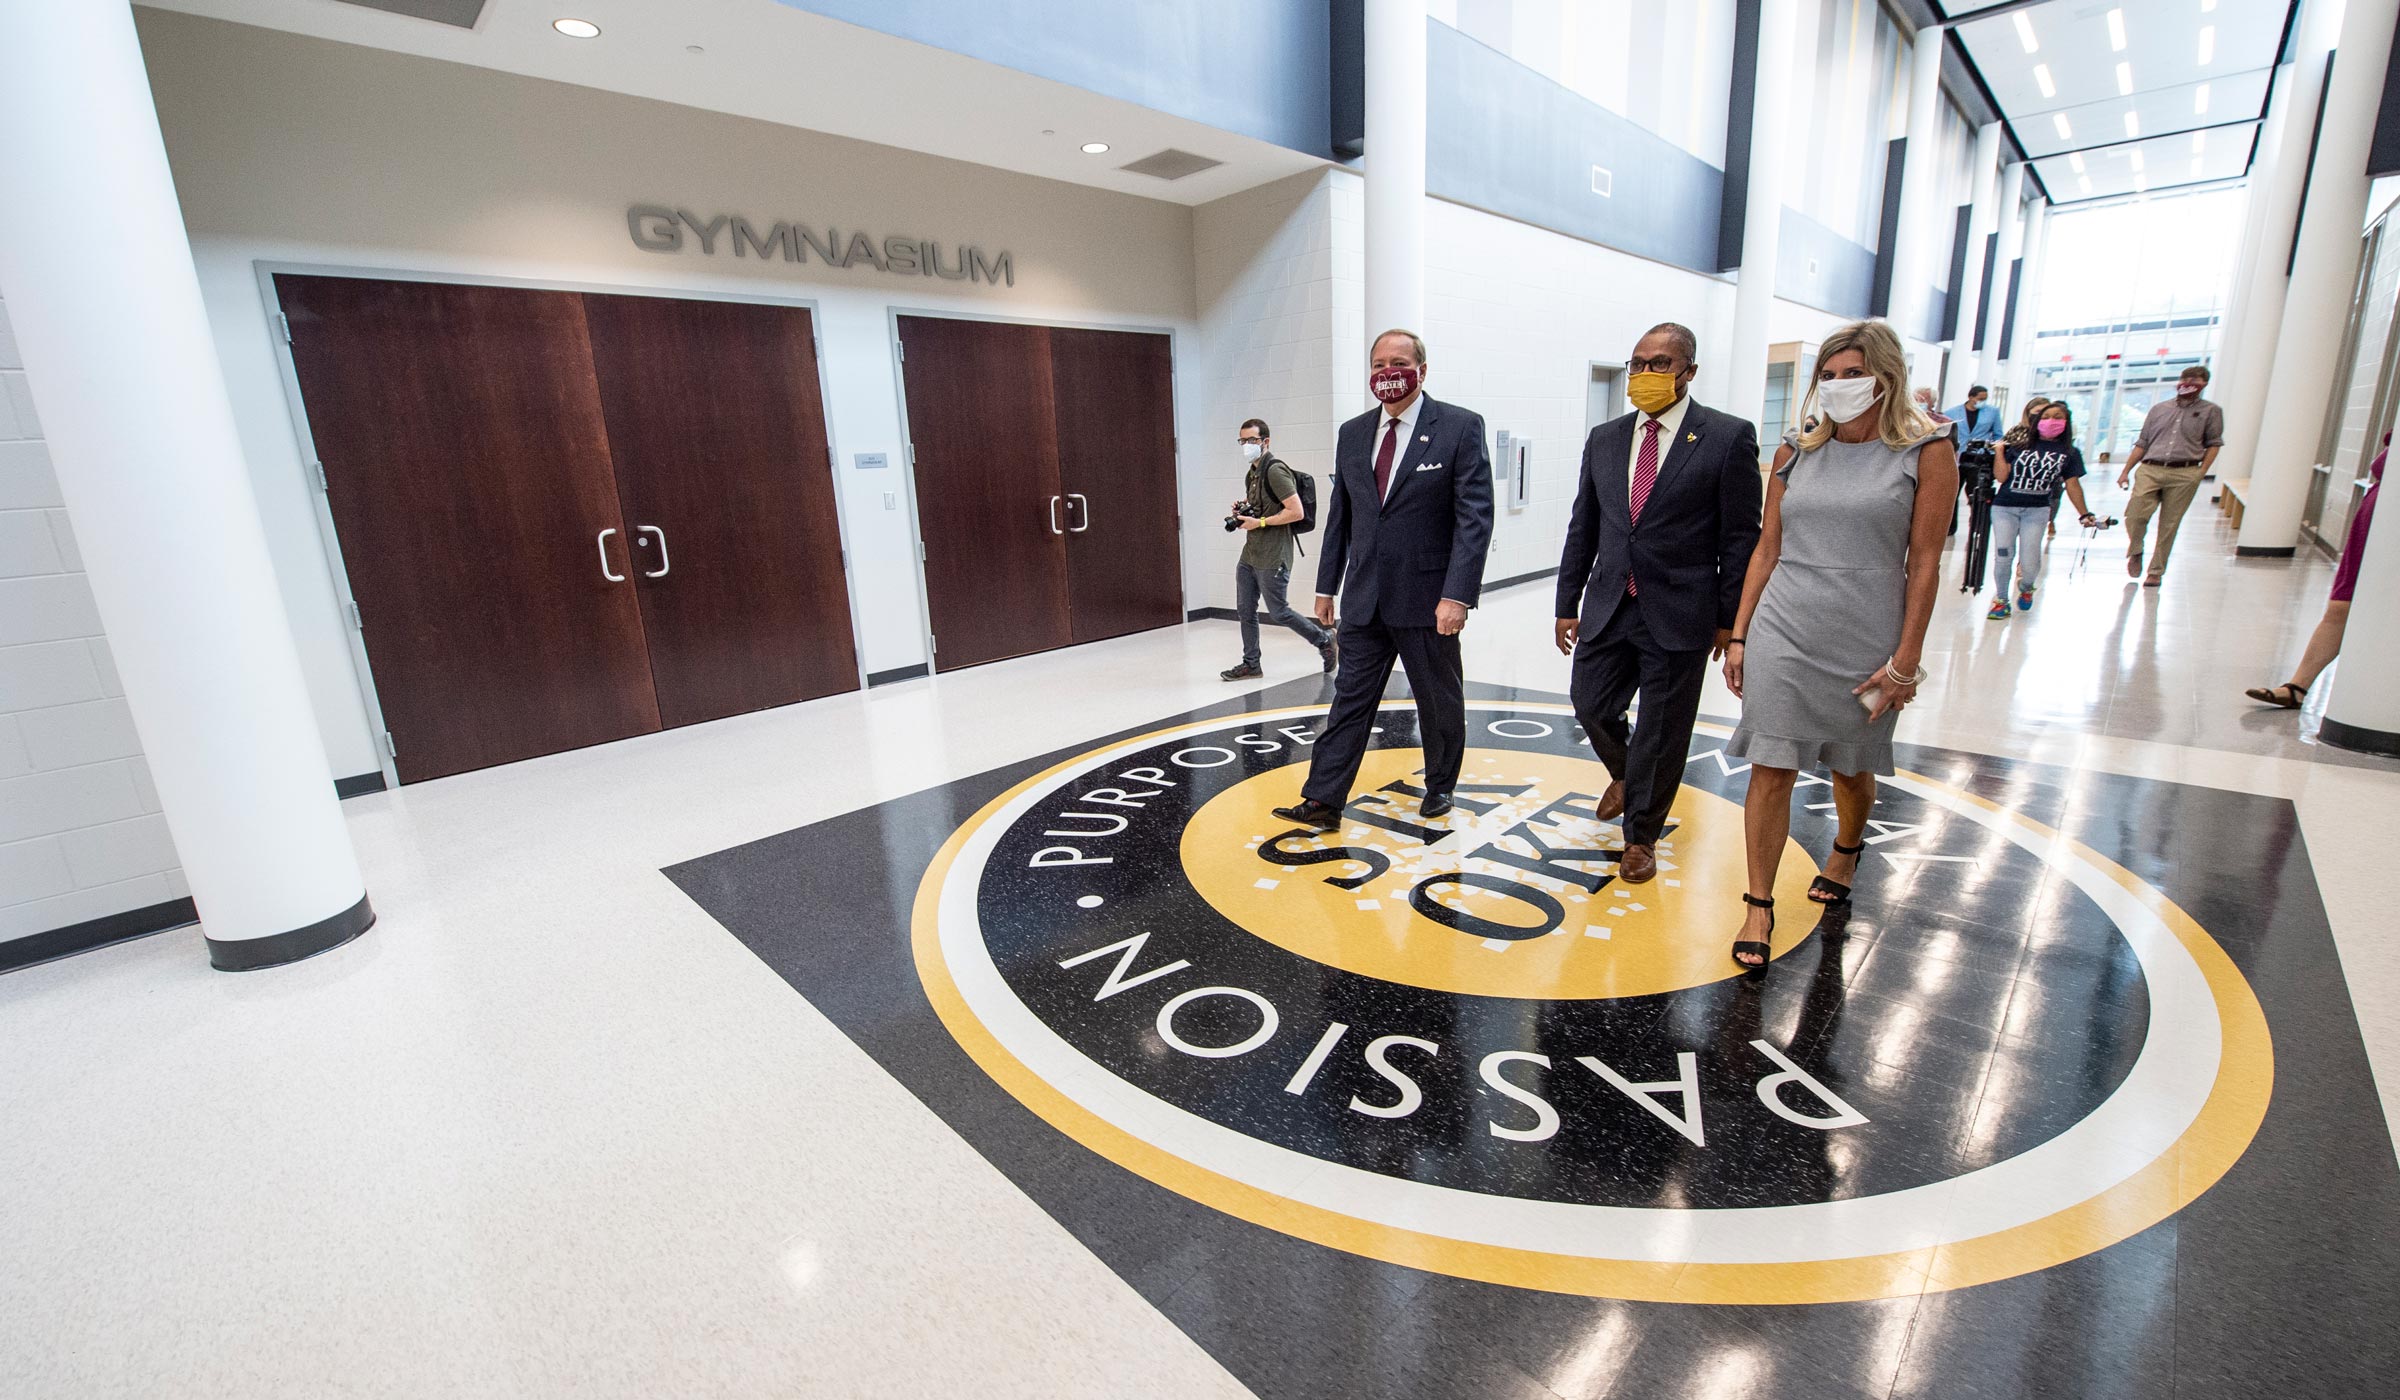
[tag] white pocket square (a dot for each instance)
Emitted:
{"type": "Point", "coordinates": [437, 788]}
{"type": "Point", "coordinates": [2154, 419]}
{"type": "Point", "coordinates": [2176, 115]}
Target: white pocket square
{"type": "Point", "coordinates": [1433, 466]}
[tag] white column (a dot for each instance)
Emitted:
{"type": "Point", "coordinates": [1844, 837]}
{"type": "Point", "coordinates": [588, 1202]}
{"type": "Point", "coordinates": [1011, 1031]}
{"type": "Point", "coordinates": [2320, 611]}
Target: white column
{"type": "Point", "coordinates": [2024, 353]}
{"type": "Point", "coordinates": [2316, 306]}
{"type": "Point", "coordinates": [1963, 362]}
{"type": "Point", "coordinates": [2012, 242]}
{"type": "Point", "coordinates": [2277, 177]}
{"type": "Point", "coordinates": [2363, 709]}
{"type": "Point", "coordinates": [2226, 361]}
{"type": "Point", "coordinates": [1912, 277]}
{"type": "Point", "coordinates": [1395, 166]}
{"type": "Point", "coordinates": [100, 284]}
{"type": "Point", "coordinates": [1762, 210]}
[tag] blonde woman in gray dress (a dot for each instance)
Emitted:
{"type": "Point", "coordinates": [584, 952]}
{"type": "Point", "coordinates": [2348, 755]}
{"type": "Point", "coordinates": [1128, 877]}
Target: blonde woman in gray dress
{"type": "Point", "coordinates": [1828, 644]}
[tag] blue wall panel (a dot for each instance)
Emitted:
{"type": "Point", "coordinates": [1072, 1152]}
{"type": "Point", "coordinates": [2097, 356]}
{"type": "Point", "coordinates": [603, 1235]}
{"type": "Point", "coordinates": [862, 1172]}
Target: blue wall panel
{"type": "Point", "coordinates": [1844, 281]}
{"type": "Point", "coordinates": [1504, 139]}
{"type": "Point", "coordinates": [1257, 67]}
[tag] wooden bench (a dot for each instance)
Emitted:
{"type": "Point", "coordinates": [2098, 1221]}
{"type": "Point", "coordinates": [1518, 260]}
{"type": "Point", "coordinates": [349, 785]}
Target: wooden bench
{"type": "Point", "coordinates": [2229, 500]}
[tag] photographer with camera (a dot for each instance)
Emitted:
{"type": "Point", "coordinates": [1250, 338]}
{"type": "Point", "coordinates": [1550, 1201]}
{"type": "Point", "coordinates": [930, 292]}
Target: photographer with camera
{"type": "Point", "coordinates": [1268, 510]}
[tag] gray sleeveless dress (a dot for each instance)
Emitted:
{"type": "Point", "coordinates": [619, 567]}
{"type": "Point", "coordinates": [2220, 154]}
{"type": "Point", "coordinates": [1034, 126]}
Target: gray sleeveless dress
{"type": "Point", "coordinates": [1830, 616]}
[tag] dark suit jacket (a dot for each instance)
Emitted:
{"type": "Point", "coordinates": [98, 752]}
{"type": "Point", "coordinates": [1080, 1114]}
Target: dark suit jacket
{"type": "Point", "coordinates": [1395, 559]}
{"type": "Point", "coordinates": [1694, 541]}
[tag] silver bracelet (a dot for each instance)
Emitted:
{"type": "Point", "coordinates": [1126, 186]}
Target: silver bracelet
{"type": "Point", "coordinates": [1900, 680]}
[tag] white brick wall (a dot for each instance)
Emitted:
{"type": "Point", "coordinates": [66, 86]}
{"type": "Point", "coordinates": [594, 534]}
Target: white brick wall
{"type": "Point", "coordinates": [80, 834]}
{"type": "Point", "coordinates": [1263, 271]}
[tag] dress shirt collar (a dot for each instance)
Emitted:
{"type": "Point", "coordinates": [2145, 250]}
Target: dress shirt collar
{"type": "Point", "coordinates": [1408, 425]}
{"type": "Point", "coordinates": [1670, 423]}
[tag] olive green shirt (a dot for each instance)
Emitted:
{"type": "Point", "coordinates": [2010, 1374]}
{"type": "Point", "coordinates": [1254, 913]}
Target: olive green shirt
{"type": "Point", "coordinates": [1269, 546]}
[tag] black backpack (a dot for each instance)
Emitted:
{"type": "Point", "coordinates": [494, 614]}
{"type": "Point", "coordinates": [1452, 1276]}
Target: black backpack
{"type": "Point", "coordinates": [1308, 500]}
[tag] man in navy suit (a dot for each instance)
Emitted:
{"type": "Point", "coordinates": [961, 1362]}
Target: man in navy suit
{"type": "Point", "coordinates": [1666, 514]}
{"type": "Point", "coordinates": [1407, 526]}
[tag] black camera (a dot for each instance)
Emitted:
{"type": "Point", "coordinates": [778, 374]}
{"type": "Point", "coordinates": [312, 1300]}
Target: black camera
{"type": "Point", "coordinates": [1976, 470]}
{"type": "Point", "coordinates": [1241, 513]}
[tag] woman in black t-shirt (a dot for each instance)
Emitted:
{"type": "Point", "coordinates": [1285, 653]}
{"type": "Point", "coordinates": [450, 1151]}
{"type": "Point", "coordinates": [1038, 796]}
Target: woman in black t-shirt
{"type": "Point", "coordinates": [2028, 480]}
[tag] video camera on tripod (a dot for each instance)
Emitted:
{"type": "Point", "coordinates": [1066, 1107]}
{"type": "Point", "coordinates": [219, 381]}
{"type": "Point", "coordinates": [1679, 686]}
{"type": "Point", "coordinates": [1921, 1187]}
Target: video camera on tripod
{"type": "Point", "coordinates": [1976, 465]}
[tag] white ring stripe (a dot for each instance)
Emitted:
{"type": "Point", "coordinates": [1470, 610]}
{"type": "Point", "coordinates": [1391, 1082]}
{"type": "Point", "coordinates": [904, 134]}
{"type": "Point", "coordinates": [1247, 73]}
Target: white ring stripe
{"type": "Point", "coordinates": [2159, 1099]}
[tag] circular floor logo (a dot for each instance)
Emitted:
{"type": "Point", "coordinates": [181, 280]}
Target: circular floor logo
{"type": "Point", "coordinates": [1465, 1045]}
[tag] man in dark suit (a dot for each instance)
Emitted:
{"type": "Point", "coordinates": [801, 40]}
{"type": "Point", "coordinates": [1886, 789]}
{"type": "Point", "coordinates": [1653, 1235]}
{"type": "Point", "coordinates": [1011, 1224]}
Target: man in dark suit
{"type": "Point", "coordinates": [1666, 514]}
{"type": "Point", "coordinates": [1407, 525]}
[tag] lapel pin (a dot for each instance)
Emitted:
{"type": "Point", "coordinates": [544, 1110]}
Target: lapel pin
{"type": "Point", "coordinates": [1691, 437]}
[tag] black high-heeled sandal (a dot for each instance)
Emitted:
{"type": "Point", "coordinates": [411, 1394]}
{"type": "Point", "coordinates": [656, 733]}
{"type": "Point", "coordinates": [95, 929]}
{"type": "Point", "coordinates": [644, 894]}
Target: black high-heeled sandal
{"type": "Point", "coordinates": [1826, 891]}
{"type": "Point", "coordinates": [2286, 696]}
{"type": "Point", "coordinates": [1759, 947]}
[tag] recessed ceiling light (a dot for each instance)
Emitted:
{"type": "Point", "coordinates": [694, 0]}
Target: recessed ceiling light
{"type": "Point", "coordinates": [2200, 100]}
{"type": "Point", "coordinates": [2116, 30]}
{"type": "Point", "coordinates": [2041, 78]}
{"type": "Point", "coordinates": [2133, 124]}
{"type": "Point", "coordinates": [2208, 44]}
{"type": "Point", "coordinates": [2207, 5]}
{"type": "Point", "coordinates": [2059, 120]}
{"type": "Point", "coordinates": [2075, 161]}
{"type": "Point", "coordinates": [2124, 80]}
{"type": "Point", "coordinates": [2199, 142]}
{"type": "Point", "coordinates": [2083, 183]}
{"type": "Point", "coordinates": [2197, 166]}
{"type": "Point", "coordinates": [2025, 32]}
{"type": "Point", "coordinates": [576, 28]}
{"type": "Point", "coordinates": [2137, 160]}
{"type": "Point", "coordinates": [1095, 148]}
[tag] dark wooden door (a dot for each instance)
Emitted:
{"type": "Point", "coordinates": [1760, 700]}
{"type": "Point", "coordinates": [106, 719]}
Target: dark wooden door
{"type": "Point", "coordinates": [989, 506]}
{"type": "Point", "coordinates": [717, 429]}
{"type": "Point", "coordinates": [467, 466]}
{"type": "Point", "coordinates": [1115, 397]}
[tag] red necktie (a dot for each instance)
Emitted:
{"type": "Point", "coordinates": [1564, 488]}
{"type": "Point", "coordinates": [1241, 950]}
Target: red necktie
{"type": "Point", "coordinates": [1645, 476]}
{"type": "Point", "coordinates": [1383, 458]}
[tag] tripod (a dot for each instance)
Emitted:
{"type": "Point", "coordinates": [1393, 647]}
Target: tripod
{"type": "Point", "coordinates": [2092, 535]}
{"type": "Point", "coordinates": [1975, 479]}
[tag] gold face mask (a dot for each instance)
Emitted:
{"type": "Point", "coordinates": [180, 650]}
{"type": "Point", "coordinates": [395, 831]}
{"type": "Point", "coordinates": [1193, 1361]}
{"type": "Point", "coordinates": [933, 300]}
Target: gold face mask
{"type": "Point", "coordinates": [1651, 392]}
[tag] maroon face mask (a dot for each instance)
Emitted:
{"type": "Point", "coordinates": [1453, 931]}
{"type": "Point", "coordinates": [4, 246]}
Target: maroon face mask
{"type": "Point", "coordinates": [1393, 383]}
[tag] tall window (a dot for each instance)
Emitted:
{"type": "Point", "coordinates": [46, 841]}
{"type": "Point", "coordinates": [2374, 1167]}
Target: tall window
{"type": "Point", "coordinates": [2132, 293]}
{"type": "Point", "coordinates": [1857, 104]}
{"type": "Point", "coordinates": [1663, 67]}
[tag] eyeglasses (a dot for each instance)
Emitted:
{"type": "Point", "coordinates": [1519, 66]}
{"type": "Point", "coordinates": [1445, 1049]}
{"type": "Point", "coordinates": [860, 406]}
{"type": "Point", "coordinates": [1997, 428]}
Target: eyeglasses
{"type": "Point", "coordinates": [1663, 364]}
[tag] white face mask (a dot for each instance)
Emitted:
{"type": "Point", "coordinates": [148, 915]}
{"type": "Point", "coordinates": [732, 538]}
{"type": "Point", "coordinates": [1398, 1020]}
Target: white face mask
{"type": "Point", "coordinates": [1845, 399]}
{"type": "Point", "coordinates": [1251, 450]}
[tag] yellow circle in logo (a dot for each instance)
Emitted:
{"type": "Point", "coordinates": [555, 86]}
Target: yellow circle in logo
{"type": "Point", "coordinates": [1511, 895]}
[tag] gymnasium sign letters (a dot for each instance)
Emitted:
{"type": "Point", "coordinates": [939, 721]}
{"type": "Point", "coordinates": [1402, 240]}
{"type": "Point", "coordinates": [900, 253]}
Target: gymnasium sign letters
{"type": "Point", "coordinates": [658, 229]}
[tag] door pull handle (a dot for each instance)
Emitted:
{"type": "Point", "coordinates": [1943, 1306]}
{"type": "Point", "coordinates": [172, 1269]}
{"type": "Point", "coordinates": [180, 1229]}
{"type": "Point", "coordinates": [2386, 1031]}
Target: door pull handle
{"type": "Point", "coordinates": [1054, 517]}
{"type": "Point", "coordinates": [1087, 511]}
{"type": "Point", "coordinates": [606, 572]}
{"type": "Point", "coordinates": [664, 563]}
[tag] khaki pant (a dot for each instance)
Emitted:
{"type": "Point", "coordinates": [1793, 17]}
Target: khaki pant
{"type": "Point", "coordinates": [2166, 492]}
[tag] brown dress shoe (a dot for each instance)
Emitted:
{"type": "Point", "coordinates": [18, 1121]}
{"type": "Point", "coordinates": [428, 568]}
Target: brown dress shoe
{"type": "Point", "coordinates": [1637, 865]}
{"type": "Point", "coordinates": [1612, 803]}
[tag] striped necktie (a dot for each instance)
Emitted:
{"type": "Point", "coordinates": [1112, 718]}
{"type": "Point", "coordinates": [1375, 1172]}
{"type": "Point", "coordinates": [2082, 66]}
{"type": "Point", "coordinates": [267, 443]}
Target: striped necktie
{"type": "Point", "coordinates": [1645, 476]}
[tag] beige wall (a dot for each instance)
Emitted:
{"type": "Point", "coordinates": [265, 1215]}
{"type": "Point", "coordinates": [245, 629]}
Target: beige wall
{"type": "Point", "coordinates": [290, 149]}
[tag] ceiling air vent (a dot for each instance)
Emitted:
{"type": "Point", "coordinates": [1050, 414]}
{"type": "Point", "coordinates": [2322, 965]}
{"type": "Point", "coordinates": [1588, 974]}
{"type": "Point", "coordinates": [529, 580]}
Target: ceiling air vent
{"type": "Point", "coordinates": [462, 13]}
{"type": "Point", "coordinates": [1171, 164]}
